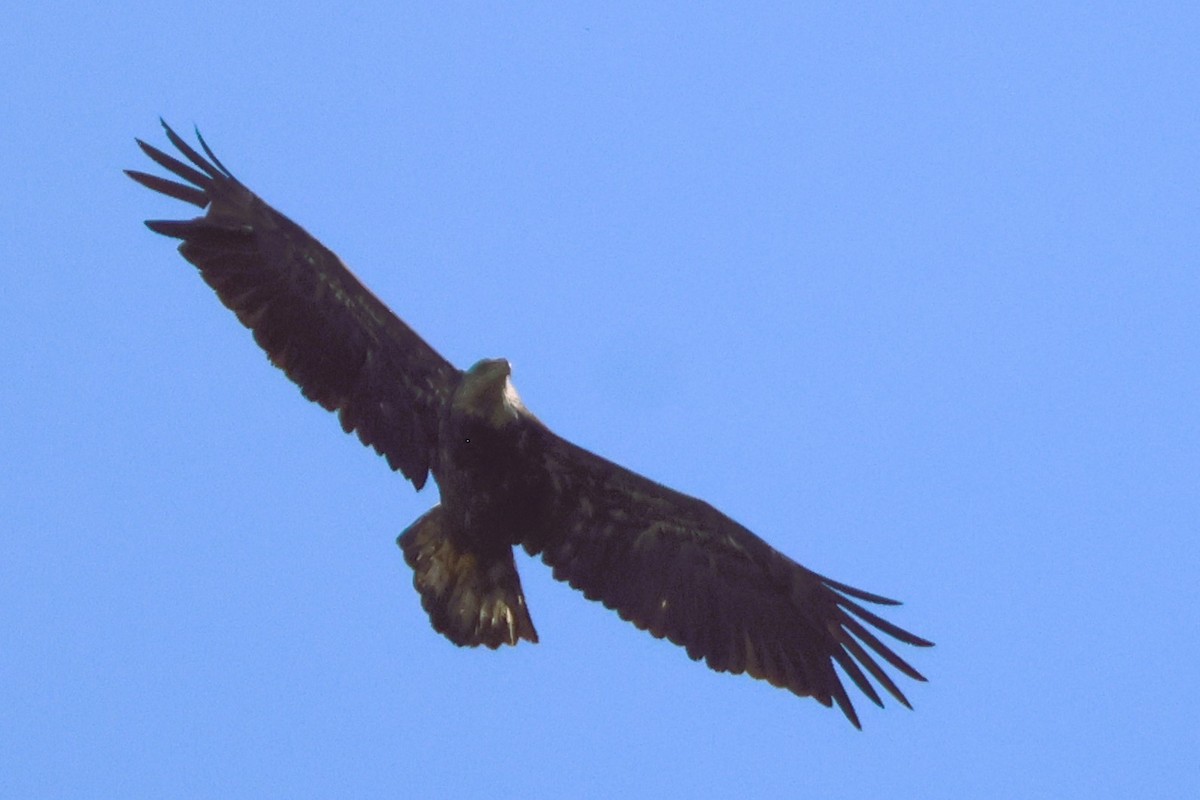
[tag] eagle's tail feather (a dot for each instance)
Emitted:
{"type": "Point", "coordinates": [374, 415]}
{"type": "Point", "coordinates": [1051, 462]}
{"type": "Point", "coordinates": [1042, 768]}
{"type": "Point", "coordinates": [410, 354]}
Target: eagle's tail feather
{"type": "Point", "coordinates": [471, 598]}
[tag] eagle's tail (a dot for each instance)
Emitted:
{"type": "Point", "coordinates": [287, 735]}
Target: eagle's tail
{"type": "Point", "coordinates": [472, 598]}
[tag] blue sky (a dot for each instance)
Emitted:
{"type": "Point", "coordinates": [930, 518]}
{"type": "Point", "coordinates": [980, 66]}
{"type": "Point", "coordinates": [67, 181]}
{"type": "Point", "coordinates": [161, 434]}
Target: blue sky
{"type": "Point", "coordinates": [910, 290]}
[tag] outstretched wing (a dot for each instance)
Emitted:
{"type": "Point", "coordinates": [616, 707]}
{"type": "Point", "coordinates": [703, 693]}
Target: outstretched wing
{"type": "Point", "coordinates": [342, 346]}
{"type": "Point", "coordinates": [678, 568]}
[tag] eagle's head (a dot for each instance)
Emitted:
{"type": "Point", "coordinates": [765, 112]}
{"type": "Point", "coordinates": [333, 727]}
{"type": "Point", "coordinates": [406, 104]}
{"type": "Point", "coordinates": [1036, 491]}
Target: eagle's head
{"type": "Point", "coordinates": [487, 393]}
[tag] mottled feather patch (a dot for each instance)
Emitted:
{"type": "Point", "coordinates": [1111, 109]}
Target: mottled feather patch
{"type": "Point", "coordinates": [344, 348]}
{"type": "Point", "coordinates": [678, 568]}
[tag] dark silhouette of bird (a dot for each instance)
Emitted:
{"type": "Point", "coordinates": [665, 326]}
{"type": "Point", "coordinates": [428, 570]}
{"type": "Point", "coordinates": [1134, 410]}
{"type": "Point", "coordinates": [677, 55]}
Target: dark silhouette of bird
{"type": "Point", "coordinates": [671, 564]}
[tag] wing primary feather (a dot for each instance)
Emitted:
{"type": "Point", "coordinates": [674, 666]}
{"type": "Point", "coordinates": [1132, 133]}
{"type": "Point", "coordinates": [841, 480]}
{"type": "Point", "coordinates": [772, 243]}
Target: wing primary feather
{"type": "Point", "coordinates": [175, 165]}
{"type": "Point", "coordinates": [864, 658]}
{"type": "Point", "coordinates": [208, 151]}
{"type": "Point", "coordinates": [839, 696]}
{"type": "Point", "coordinates": [872, 641]}
{"type": "Point", "coordinates": [851, 668]}
{"type": "Point", "coordinates": [858, 594]}
{"type": "Point", "coordinates": [170, 227]}
{"type": "Point", "coordinates": [188, 194]}
{"type": "Point", "coordinates": [191, 154]}
{"type": "Point", "coordinates": [895, 631]}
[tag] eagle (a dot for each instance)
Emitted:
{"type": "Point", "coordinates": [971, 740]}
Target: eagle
{"type": "Point", "coordinates": [671, 564]}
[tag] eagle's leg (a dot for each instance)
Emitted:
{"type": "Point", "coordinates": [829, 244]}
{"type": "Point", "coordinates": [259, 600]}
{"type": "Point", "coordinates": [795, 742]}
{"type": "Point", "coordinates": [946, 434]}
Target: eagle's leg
{"type": "Point", "coordinates": [471, 597]}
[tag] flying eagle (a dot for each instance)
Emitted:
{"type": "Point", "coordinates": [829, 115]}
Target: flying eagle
{"type": "Point", "coordinates": [671, 564]}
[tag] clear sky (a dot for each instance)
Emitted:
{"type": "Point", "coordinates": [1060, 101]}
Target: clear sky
{"type": "Point", "coordinates": [911, 290]}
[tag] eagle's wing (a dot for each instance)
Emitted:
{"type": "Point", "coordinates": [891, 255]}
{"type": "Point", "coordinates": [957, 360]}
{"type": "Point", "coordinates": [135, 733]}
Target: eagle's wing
{"type": "Point", "coordinates": [678, 568]}
{"type": "Point", "coordinates": [316, 321]}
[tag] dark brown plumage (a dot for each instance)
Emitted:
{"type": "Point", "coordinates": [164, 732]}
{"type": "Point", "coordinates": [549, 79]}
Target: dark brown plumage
{"type": "Point", "coordinates": [670, 564]}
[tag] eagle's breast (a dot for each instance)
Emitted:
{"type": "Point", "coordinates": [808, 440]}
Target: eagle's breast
{"type": "Point", "coordinates": [491, 478]}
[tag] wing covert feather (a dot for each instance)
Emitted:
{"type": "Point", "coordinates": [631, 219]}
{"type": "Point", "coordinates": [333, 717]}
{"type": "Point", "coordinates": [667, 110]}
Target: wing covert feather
{"type": "Point", "coordinates": [675, 566]}
{"type": "Point", "coordinates": [331, 336]}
